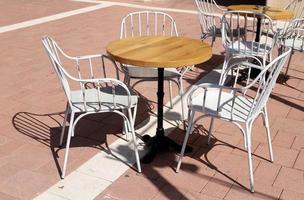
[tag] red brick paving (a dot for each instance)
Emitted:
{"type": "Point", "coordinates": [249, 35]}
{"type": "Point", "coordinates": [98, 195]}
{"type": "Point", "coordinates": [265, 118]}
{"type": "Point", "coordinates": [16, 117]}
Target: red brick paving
{"type": "Point", "coordinates": [32, 102]}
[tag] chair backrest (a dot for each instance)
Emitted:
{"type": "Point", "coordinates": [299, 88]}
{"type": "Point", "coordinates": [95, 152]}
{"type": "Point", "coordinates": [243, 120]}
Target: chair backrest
{"type": "Point", "coordinates": [297, 7]}
{"type": "Point", "coordinates": [262, 85]}
{"type": "Point", "coordinates": [145, 23]}
{"type": "Point", "coordinates": [208, 13]}
{"type": "Point", "coordinates": [267, 79]}
{"type": "Point", "coordinates": [294, 35]}
{"type": "Point", "coordinates": [83, 73]}
{"type": "Point", "coordinates": [242, 27]}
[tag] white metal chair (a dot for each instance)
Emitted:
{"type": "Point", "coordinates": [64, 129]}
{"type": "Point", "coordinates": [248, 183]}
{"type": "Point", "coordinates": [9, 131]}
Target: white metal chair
{"type": "Point", "coordinates": [297, 8]}
{"type": "Point", "coordinates": [210, 15]}
{"type": "Point", "coordinates": [86, 94]}
{"type": "Point", "coordinates": [293, 38]}
{"type": "Point", "coordinates": [145, 23]}
{"type": "Point", "coordinates": [234, 105]}
{"type": "Point", "coordinates": [253, 42]}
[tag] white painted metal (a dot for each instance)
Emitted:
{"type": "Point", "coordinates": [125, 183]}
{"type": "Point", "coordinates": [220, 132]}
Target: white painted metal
{"type": "Point", "coordinates": [210, 15]}
{"type": "Point", "coordinates": [293, 38]}
{"type": "Point", "coordinates": [234, 105]}
{"type": "Point", "coordinates": [144, 23]}
{"type": "Point", "coordinates": [236, 43]}
{"type": "Point", "coordinates": [87, 94]}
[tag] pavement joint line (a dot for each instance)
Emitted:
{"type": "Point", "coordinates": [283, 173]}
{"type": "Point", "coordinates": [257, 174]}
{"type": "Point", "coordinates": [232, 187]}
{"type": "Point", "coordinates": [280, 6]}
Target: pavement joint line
{"type": "Point", "coordinates": [141, 6]}
{"type": "Point", "coordinates": [50, 18]}
{"type": "Point", "coordinates": [95, 164]}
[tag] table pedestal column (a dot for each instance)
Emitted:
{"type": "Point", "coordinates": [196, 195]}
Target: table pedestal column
{"type": "Point", "coordinates": [160, 143]}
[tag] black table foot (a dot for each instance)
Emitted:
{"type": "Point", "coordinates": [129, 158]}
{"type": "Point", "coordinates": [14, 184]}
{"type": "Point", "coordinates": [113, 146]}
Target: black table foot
{"type": "Point", "coordinates": [158, 144]}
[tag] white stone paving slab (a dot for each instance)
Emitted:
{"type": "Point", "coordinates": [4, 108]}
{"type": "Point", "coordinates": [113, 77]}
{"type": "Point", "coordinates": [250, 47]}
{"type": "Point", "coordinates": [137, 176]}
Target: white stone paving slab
{"type": "Point", "coordinates": [79, 186]}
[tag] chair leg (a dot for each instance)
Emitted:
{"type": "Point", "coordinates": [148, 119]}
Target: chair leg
{"type": "Point", "coordinates": [266, 124]}
{"type": "Point", "coordinates": [134, 140]}
{"type": "Point", "coordinates": [289, 60]}
{"type": "Point", "coordinates": [125, 125]}
{"type": "Point", "coordinates": [181, 93]}
{"type": "Point", "coordinates": [248, 140]}
{"type": "Point", "coordinates": [222, 82]}
{"type": "Point", "coordinates": [64, 124]}
{"type": "Point", "coordinates": [189, 130]}
{"type": "Point", "coordinates": [71, 130]}
{"type": "Point", "coordinates": [210, 131]}
{"type": "Point", "coordinates": [170, 93]}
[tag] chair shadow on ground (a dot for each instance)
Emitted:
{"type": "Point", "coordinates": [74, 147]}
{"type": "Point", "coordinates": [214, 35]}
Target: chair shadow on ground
{"type": "Point", "coordinates": [201, 155]}
{"type": "Point", "coordinates": [91, 131]}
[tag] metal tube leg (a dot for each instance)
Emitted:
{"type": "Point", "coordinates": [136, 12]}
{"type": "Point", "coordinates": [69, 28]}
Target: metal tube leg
{"type": "Point", "coordinates": [170, 93]}
{"type": "Point", "coordinates": [190, 120]}
{"type": "Point", "coordinates": [71, 130]}
{"type": "Point", "coordinates": [181, 93]}
{"type": "Point", "coordinates": [266, 124]}
{"type": "Point", "coordinates": [210, 131]}
{"type": "Point", "coordinates": [248, 140]}
{"type": "Point", "coordinates": [64, 124]}
{"type": "Point", "coordinates": [289, 60]}
{"type": "Point", "coordinates": [134, 140]}
{"type": "Point", "coordinates": [126, 128]}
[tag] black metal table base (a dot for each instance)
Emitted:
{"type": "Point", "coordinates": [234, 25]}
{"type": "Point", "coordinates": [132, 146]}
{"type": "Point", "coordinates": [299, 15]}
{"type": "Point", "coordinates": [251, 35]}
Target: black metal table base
{"type": "Point", "coordinates": [160, 143]}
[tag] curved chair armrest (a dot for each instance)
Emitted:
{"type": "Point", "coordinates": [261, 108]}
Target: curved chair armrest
{"type": "Point", "coordinates": [242, 64]}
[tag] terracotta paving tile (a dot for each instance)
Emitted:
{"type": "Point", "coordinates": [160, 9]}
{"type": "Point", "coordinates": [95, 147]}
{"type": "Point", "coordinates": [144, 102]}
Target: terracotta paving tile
{"type": "Point", "coordinates": [224, 142]}
{"type": "Point", "coordinates": [15, 185]}
{"type": "Point", "coordinates": [266, 173]}
{"type": "Point", "coordinates": [233, 166]}
{"type": "Point", "coordinates": [207, 155]}
{"type": "Point", "coordinates": [170, 192]}
{"type": "Point", "coordinates": [218, 186]}
{"type": "Point", "coordinates": [141, 188]}
{"type": "Point", "coordinates": [261, 191]}
{"type": "Point", "coordinates": [190, 170]}
{"type": "Point", "coordinates": [37, 9]}
{"type": "Point", "coordinates": [290, 179]}
{"type": "Point", "coordinates": [282, 156]}
{"type": "Point", "coordinates": [289, 125]}
{"type": "Point", "coordinates": [198, 196]}
{"type": "Point", "coordinates": [284, 139]}
{"type": "Point", "coordinates": [298, 143]}
{"type": "Point", "coordinates": [291, 195]}
{"type": "Point", "coordinates": [240, 149]}
{"type": "Point", "coordinates": [4, 196]}
{"type": "Point", "coordinates": [300, 161]}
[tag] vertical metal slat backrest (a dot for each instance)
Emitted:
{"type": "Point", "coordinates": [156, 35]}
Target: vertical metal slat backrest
{"type": "Point", "coordinates": [163, 24]}
{"type": "Point", "coordinates": [235, 28]}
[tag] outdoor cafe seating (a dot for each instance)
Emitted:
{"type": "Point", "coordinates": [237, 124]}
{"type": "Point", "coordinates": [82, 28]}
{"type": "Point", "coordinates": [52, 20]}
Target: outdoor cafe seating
{"type": "Point", "coordinates": [249, 39]}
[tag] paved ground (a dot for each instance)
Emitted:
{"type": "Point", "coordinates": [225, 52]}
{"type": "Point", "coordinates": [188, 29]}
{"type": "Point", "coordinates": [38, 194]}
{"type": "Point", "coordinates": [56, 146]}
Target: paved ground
{"type": "Point", "coordinates": [32, 105]}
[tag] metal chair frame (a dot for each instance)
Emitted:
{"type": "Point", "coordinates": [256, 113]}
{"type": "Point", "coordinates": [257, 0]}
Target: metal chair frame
{"type": "Point", "coordinates": [292, 38]}
{"type": "Point", "coordinates": [234, 104]}
{"type": "Point", "coordinates": [146, 23]}
{"type": "Point", "coordinates": [93, 95]}
{"type": "Point", "coordinates": [208, 17]}
{"type": "Point", "coordinates": [253, 42]}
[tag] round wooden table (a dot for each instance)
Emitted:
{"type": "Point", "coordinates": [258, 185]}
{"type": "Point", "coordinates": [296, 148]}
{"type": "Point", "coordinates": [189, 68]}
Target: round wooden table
{"type": "Point", "coordinates": [273, 13]}
{"type": "Point", "coordinates": [160, 52]}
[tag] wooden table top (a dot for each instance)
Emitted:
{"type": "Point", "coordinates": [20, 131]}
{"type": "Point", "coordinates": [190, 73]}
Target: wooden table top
{"type": "Point", "coordinates": [273, 13]}
{"type": "Point", "coordinates": [159, 51]}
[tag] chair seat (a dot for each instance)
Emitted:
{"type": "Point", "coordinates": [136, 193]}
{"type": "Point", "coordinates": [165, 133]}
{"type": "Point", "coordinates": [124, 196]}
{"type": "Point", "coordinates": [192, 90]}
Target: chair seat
{"type": "Point", "coordinates": [149, 72]}
{"type": "Point", "coordinates": [240, 112]}
{"type": "Point", "coordinates": [296, 44]}
{"type": "Point", "coordinates": [106, 99]}
{"type": "Point", "coordinates": [251, 48]}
